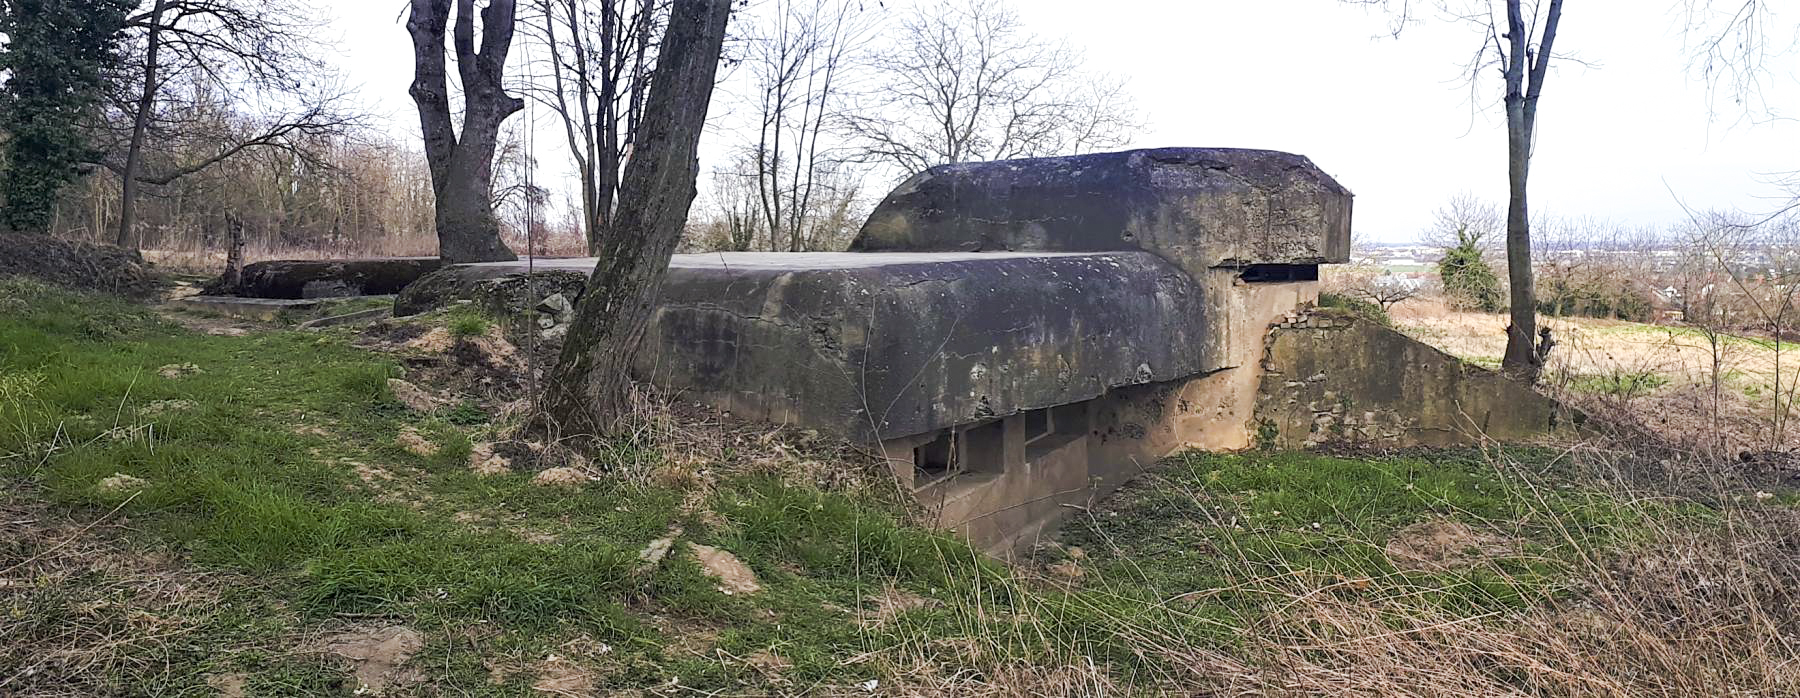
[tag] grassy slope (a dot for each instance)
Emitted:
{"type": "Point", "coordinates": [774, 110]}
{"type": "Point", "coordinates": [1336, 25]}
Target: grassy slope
{"type": "Point", "coordinates": [255, 488]}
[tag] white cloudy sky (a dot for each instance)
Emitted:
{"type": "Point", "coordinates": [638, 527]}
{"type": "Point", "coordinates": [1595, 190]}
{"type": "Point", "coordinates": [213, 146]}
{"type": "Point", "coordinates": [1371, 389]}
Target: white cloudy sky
{"type": "Point", "coordinates": [1390, 118]}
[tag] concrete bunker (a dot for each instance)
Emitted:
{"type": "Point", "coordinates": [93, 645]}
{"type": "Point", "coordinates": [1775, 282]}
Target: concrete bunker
{"type": "Point", "coordinates": [1015, 337]}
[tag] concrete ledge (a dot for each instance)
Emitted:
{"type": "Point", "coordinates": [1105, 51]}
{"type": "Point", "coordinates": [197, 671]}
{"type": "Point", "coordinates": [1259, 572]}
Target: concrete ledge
{"type": "Point", "coordinates": [327, 278]}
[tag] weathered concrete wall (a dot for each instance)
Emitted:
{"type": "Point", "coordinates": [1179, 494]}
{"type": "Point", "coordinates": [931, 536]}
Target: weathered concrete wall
{"type": "Point", "coordinates": [502, 289]}
{"type": "Point", "coordinates": [1196, 207]}
{"type": "Point", "coordinates": [879, 346]}
{"type": "Point", "coordinates": [1332, 377]}
{"type": "Point", "coordinates": [1006, 504]}
{"type": "Point", "coordinates": [327, 278]}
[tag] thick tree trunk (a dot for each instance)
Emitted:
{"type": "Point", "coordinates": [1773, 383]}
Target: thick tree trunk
{"type": "Point", "coordinates": [234, 254]}
{"type": "Point", "coordinates": [462, 168]}
{"type": "Point", "coordinates": [588, 389]}
{"type": "Point", "coordinates": [128, 184]}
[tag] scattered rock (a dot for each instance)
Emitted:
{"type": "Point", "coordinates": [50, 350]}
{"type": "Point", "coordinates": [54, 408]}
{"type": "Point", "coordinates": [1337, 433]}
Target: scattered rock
{"type": "Point", "coordinates": [560, 477]}
{"type": "Point", "coordinates": [414, 397]}
{"type": "Point", "coordinates": [557, 306]}
{"type": "Point", "coordinates": [158, 407]}
{"type": "Point", "coordinates": [120, 483]}
{"type": "Point", "coordinates": [484, 461]}
{"type": "Point", "coordinates": [378, 656]}
{"type": "Point", "coordinates": [1441, 544]}
{"type": "Point", "coordinates": [174, 371]}
{"type": "Point", "coordinates": [657, 549]}
{"type": "Point", "coordinates": [415, 442]}
{"type": "Point", "coordinates": [733, 575]}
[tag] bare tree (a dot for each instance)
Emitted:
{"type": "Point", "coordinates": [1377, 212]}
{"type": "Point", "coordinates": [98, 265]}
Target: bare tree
{"type": "Point", "coordinates": [1760, 263]}
{"type": "Point", "coordinates": [1518, 45]}
{"type": "Point", "coordinates": [735, 218]}
{"type": "Point", "coordinates": [588, 390]}
{"type": "Point", "coordinates": [601, 53]}
{"type": "Point", "coordinates": [462, 165]}
{"type": "Point", "coordinates": [259, 51]}
{"type": "Point", "coordinates": [798, 56]}
{"type": "Point", "coordinates": [1465, 217]}
{"type": "Point", "coordinates": [963, 80]}
{"type": "Point", "coordinates": [1384, 290]}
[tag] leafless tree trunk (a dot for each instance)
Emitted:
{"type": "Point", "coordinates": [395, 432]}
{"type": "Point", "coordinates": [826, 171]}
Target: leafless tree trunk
{"type": "Point", "coordinates": [236, 52]}
{"type": "Point", "coordinates": [462, 166]}
{"type": "Point", "coordinates": [598, 80]}
{"type": "Point", "coordinates": [140, 125]}
{"type": "Point", "coordinates": [1522, 52]}
{"type": "Point", "coordinates": [234, 252]}
{"type": "Point", "coordinates": [588, 389]}
{"type": "Point", "coordinates": [797, 59]}
{"type": "Point", "coordinates": [1525, 67]}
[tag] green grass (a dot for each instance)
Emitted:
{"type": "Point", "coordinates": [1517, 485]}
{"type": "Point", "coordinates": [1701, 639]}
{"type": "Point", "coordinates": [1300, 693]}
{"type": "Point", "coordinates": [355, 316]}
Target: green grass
{"type": "Point", "coordinates": [465, 320]}
{"type": "Point", "coordinates": [1619, 383]}
{"type": "Point", "coordinates": [1732, 340]}
{"type": "Point", "coordinates": [1233, 522]}
{"type": "Point", "coordinates": [259, 480]}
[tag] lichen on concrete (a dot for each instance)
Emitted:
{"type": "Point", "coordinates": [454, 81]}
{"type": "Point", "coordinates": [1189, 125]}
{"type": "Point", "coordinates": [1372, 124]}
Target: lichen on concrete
{"type": "Point", "coordinates": [1332, 377]}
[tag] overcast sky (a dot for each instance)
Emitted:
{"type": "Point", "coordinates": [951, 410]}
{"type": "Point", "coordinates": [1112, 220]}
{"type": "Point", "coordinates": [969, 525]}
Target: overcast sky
{"type": "Point", "coordinates": [1389, 118]}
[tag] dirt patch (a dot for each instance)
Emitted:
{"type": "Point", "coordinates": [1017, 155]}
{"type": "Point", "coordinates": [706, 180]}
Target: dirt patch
{"type": "Point", "coordinates": [378, 656]}
{"type": "Point", "coordinates": [160, 407]}
{"type": "Point", "coordinates": [228, 685]}
{"type": "Point", "coordinates": [733, 576]}
{"type": "Point", "coordinates": [484, 461]}
{"type": "Point", "coordinates": [415, 442]}
{"type": "Point", "coordinates": [560, 477]}
{"type": "Point", "coordinates": [436, 340]}
{"type": "Point", "coordinates": [1440, 544]}
{"type": "Point", "coordinates": [414, 397]}
{"type": "Point", "coordinates": [177, 371]}
{"type": "Point", "coordinates": [560, 677]}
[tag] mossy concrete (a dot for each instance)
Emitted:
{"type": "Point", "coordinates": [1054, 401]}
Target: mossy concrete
{"type": "Point", "coordinates": [1331, 377]}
